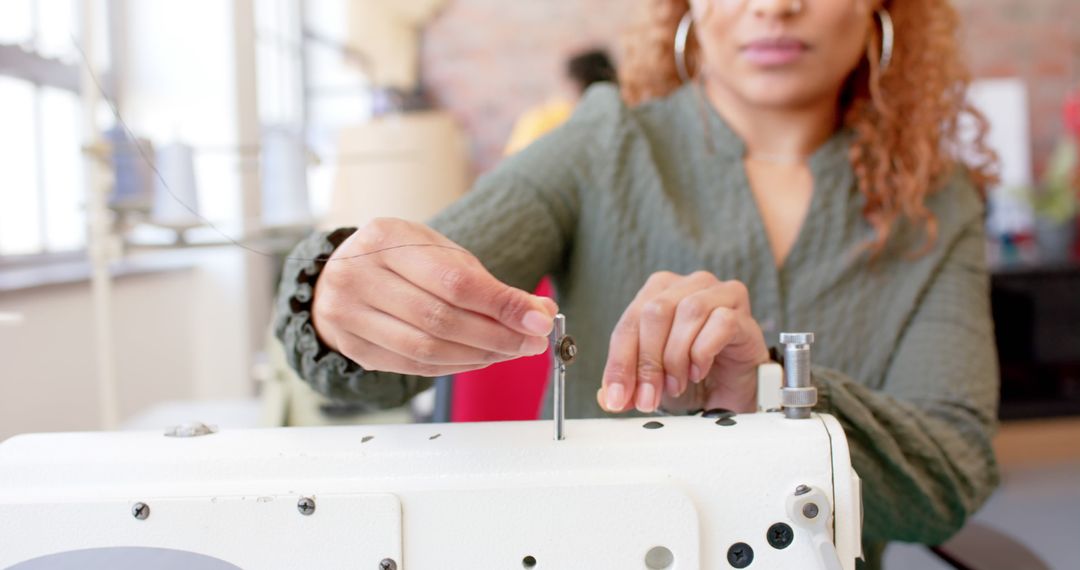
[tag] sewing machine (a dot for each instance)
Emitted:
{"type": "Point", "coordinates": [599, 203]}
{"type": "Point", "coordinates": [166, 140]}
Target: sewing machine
{"type": "Point", "coordinates": [711, 490]}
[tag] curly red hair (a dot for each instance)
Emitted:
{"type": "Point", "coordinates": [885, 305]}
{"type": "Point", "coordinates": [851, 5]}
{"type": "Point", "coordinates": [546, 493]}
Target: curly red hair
{"type": "Point", "coordinates": [906, 121]}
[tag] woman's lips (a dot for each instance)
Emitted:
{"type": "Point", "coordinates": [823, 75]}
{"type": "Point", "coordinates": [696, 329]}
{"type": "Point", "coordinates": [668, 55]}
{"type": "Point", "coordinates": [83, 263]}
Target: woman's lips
{"type": "Point", "coordinates": [773, 52]}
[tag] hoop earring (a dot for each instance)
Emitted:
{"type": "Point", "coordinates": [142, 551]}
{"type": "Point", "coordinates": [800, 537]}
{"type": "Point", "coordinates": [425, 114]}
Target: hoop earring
{"type": "Point", "coordinates": [887, 38]}
{"type": "Point", "coordinates": [682, 37]}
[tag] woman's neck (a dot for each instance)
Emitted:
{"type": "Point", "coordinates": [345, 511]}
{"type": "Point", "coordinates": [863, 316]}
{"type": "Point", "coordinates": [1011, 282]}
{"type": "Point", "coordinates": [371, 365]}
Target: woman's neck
{"type": "Point", "coordinates": [775, 134]}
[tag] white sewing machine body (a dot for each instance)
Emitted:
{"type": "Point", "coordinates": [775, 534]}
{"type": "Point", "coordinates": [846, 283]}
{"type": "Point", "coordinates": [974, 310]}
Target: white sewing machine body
{"type": "Point", "coordinates": [615, 494]}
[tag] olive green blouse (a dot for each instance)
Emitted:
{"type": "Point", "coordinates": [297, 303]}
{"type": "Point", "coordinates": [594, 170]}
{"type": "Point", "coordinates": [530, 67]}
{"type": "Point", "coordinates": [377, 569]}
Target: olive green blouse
{"type": "Point", "coordinates": [905, 355]}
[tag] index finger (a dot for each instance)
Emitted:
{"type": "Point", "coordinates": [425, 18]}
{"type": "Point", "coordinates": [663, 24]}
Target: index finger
{"type": "Point", "coordinates": [620, 379]}
{"type": "Point", "coordinates": [459, 279]}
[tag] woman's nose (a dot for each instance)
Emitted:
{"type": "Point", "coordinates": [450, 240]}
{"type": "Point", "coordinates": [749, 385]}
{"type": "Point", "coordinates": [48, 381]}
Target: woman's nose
{"type": "Point", "coordinates": [775, 8]}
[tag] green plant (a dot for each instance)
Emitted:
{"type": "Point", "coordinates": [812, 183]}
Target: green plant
{"type": "Point", "coordinates": [1056, 198]}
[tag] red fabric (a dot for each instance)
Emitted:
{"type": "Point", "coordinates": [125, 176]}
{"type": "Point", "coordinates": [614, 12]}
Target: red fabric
{"type": "Point", "coordinates": [506, 391]}
{"type": "Point", "coordinates": [1071, 113]}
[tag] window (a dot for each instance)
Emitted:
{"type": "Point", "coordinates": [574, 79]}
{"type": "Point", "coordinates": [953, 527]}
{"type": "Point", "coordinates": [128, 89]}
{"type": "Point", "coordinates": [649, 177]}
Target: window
{"type": "Point", "coordinates": [43, 190]}
{"type": "Point", "coordinates": [310, 80]}
{"type": "Point", "coordinates": [279, 58]}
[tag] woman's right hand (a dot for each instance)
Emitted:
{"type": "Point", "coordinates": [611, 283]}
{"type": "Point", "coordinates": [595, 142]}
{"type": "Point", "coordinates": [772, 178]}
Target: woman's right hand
{"type": "Point", "coordinates": [397, 296]}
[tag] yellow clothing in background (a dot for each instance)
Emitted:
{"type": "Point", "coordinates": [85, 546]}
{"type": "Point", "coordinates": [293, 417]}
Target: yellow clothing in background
{"type": "Point", "coordinates": [537, 122]}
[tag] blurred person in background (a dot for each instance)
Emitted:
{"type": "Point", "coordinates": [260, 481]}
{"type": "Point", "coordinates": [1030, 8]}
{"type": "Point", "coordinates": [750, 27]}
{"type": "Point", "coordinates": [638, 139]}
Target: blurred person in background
{"type": "Point", "coordinates": [765, 165]}
{"type": "Point", "coordinates": [582, 71]}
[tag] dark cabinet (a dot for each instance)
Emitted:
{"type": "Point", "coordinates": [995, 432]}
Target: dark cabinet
{"type": "Point", "coordinates": [1037, 325]}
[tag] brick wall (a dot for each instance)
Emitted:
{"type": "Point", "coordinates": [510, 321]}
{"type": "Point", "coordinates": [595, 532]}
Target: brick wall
{"type": "Point", "coordinates": [1038, 40]}
{"type": "Point", "coordinates": [489, 60]}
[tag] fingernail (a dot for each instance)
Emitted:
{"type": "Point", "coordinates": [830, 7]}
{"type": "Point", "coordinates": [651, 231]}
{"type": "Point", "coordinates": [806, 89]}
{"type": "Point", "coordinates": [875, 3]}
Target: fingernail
{"type": "Point", "coordinates": [695, 374]}
{"type": "Point", "coordinates": [646, 397]}
{"type": "Point", "coordinates": [671, 385]}
{"type": "Point", "coordinates": [537, 323]}
{"type": "Point", "coordinates": [615, 394]}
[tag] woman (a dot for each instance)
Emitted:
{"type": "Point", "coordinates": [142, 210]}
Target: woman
{"type": "Point", "coordinates": [796, 169]}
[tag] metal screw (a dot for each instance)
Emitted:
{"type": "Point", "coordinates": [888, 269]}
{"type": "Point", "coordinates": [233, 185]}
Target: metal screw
{"type": "Point", "coordinates": [140, 511]}
{"type": "Point", "coordinates": [306, 506]}
{"type": "Point", "coordinates": [801, 490]}
{"type": "Point", "coordinates": [740, 555]}
{"type": "Point", "coordinates": [387, 564]}
{"type": "Point", "coordinates": [563, 351]}
{"type": "Point", "coordinates": [810, 510]}
{"type": "Point", "coordinates": [567, 349]}
{"type": "Point", "coordinates": [798, 396]}
{"type": "Point", "coordinates": [779, 536]}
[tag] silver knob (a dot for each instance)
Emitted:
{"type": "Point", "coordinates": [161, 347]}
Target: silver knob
{"type": "Point", "coordinates": [798, 396]}
{"type": "Point", "coordinates": [796, 338]}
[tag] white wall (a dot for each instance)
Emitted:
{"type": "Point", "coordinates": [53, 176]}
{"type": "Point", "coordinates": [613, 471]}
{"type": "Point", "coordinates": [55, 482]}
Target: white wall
{"type": "Point", "coordinates": [179, 334]}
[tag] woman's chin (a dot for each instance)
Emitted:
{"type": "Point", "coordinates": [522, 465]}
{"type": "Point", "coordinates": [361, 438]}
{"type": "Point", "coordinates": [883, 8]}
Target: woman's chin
{"type": "Point", "coordinates": [779, 92]}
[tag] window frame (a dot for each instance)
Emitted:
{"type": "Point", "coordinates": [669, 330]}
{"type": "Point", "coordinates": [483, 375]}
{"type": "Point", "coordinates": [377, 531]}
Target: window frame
{"type": "Point", "coordinates": [22, 62]}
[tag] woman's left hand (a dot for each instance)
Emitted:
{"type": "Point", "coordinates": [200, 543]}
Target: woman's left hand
{"type": "Point", "coordinates": [681, 330]}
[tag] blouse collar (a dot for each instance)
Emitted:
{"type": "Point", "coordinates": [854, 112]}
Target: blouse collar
{"type": "Point", "coordinates": [724, 142]}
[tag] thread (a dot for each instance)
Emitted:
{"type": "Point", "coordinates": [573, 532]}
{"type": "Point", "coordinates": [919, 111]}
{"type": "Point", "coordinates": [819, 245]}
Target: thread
{"type": "Point", "coordinates": [161, 180]}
